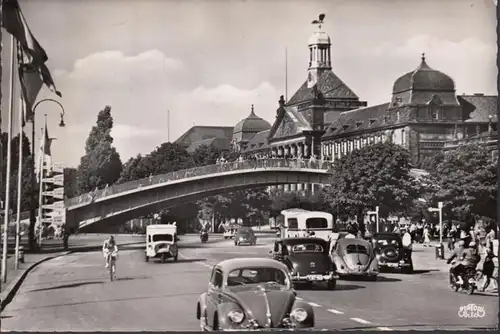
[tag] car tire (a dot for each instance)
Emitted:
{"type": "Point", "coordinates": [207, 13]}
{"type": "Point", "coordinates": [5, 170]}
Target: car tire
{"type": "Point", "coordinates": [176, 257]}
{"type": "Point", "coordinates": [163, 258]}
{"type": "Point", "coordinates": [408, 270]}
{"type": "Point", "coordinates": [146, 258]}
{"type": "Point", "coordinates": [332, 284]}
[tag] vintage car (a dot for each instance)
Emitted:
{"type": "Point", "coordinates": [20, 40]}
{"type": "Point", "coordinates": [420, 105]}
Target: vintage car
{"type": "Point", "coordinates": [391, 253]}
{"type": "Point", "coordinates": [355, 257]}
{"type": "Point", "coordinates": [307, 259]}
{"type": "Point", "coordinates": [245, 235]}
{"type": "Point", "coordinates": [252, 294]}
{"type": "Point", "coordinates": [161, 242]}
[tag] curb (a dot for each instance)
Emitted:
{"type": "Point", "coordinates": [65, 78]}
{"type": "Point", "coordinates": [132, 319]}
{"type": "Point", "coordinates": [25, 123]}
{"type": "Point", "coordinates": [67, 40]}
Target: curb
{"type": "Point", "coordinates": [10, 295]}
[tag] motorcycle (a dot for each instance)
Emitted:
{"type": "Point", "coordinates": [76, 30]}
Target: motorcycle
{"type": "Point", "coordinates": [204, 237]}
{"type": "Point", "coordinates": [469, 284]}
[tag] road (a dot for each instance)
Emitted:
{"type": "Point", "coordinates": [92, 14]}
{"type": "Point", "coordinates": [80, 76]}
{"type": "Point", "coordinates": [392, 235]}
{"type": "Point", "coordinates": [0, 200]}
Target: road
{"type": "Point", "coordinates": [74, 293]}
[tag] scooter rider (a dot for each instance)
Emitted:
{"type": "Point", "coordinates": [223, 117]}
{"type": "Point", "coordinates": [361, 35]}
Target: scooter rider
{"type": "Point", "coordinates": [457, 254]}
{"type": "Point", "coordinates": [468, 260]}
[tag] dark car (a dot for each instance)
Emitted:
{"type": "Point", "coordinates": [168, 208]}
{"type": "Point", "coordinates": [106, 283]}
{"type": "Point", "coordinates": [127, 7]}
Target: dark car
{"type": "Point", "coordinates": [391, 253]}
{"type": "Point", "coordinates": [245, 236]}
{"type": "Point", "coordinates": [307, 259]}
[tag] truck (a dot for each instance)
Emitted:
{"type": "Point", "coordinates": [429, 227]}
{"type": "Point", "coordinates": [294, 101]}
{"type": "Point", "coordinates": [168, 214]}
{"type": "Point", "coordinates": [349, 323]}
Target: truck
{"type": "Point", "coordinates": [161, 242]}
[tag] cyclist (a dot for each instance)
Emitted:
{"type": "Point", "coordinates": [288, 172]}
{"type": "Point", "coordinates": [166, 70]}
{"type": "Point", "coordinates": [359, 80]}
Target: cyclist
{"type": "Point", "coordinates": [108, 248]}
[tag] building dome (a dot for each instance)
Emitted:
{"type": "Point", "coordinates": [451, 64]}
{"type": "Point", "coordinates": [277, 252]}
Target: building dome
{"type": "Point", "coordinates": [252, 123]}
{"type": "Point", "coordinates": [319, 37]}
{"type": "Point", "coordinates": [424, 78]}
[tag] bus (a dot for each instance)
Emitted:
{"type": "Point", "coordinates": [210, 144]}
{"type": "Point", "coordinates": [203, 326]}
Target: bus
{"type": "Point", "coordinates": [298, 222]}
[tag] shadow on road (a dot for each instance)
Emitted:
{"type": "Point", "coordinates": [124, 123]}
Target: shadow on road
{"type": "Point", "coordinates": [67, 286]}
{"type": "Point", "coordinates": [423, 271]}
{"type": "Point", "coordinates": [5, 316]}
{"type": "Point", "coordinates": [131, 278]}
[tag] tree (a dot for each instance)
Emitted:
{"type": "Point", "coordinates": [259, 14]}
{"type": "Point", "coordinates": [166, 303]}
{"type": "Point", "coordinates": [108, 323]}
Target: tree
{"type": "Point", "coordinates": [466, 182]}
{"type": "Point", "coordinates": [375, 175]}
{"type": "Point", "coordinates": [101, 165]}
{"type": "Point", "coordinates": [206, 155]}
{"type": "Point", "coordinates": [29, 193]}
{"type": "Point", "coordinates": [131, 170]}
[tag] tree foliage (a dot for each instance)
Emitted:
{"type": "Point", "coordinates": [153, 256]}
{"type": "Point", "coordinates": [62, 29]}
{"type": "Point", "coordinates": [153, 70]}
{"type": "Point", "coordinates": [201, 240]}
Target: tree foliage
{"type": "Point", "coordinates": [303, 200]}
{"type": "Point", "coordinates": [206, 155]}
{"type": "Point", "coordinates": [375, 175]}
{"type": "Point", "coordinates": [101, 165]}
{"type": "Point", "coordinates": [465, 180]}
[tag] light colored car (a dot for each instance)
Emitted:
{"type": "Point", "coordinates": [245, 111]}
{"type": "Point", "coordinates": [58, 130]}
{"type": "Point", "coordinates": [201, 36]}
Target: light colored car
{"type": "Point", "coordinates": [355, 257]}
{"type": "Point", "coordinates": [252, 294]}
{"type": "Point", "coordinates": [245, 236]}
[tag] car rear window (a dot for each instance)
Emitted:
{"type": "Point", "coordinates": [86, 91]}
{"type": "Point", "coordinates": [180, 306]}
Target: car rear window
{"type": "Point", "coordinates": [387, 242]}
{"type": "Point", "coordinates": [316, 222]}
{"type": "Point", "coordinates": [307, 248]}
{"type": "Point", "coordinates": [360, 249]}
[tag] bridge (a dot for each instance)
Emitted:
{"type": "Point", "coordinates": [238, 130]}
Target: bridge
{"type": "Point", "coordinates": [122, 202]}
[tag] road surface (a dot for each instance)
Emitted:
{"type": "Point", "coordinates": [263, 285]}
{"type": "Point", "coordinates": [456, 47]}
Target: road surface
{"type": "Point", "coordinates": [74, 293]}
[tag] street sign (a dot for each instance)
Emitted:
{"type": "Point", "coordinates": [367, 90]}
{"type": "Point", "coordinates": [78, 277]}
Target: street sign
{"type": "Point", "coordinates": [58, 205]}
{"type": "Point", "coordinates": [58, 167]}
{"type": "Point", "coordinates": [57, 180]}
{"type": "Point", "coordinates": [56, 212]}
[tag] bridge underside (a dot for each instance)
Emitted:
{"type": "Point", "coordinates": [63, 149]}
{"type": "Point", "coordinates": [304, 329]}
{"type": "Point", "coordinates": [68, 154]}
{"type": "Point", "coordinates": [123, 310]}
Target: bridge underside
{"type": "Point", "coordinates": [106, 213]}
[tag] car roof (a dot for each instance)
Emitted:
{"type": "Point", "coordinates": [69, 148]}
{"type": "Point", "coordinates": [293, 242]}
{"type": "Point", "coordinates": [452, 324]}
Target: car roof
{"type": "Point", "coordinates": [295, 241]}
{"type": "Point", "coordinates": [352, 241]}
{"type": "Point", "coordinates": [386, 235]}
{"type": "Point", "coordinates": [249, 262]}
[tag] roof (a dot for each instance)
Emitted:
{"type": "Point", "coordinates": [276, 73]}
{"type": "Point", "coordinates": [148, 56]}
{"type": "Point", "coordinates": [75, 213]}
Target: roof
{"type": "Point", "coordinates": [483, 106]}
{"type": "Point", "coordinates": [249, 262]}
{"type": "Point", "coordinates": [296, 241]}
{"type": "Point", "coordinates": [197, 133]}
{"type": "Point", "coordinates": [351, 241]}
{"type": "Point", "coordinates": [358, 119]}
{"type": "Point", "coordinates": [220, 143]}
{"type": "Point", "coordinates": [424, 78]}
{"type": "Point", "coordinates": [257, 142]}
{"type": "Point", "coordinates": [319, 37]}
{"type": "Point", "coordinates": [252, 123]}
{"type": "Point", "coordinates": [329, 84]}
{"type": "Point", "coordinates": [289, 123]}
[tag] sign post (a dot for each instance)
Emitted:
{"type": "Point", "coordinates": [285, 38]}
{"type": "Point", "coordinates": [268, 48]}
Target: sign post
{"type": "Point", "coordinates": [376, 217]}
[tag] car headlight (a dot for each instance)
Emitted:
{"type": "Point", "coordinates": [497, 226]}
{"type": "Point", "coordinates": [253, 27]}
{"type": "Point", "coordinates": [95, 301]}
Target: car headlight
{"type": "Point", "coordinates": [299, 314]}
{"type": "Point", "coordinates": [236, 316]}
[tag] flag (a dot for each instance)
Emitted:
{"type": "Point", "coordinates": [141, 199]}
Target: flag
{"type": "Point", "coordinates": [46, 142]}
{"type": "Point", "coordinates": [31, 83]}
{"type": "Point", "coordinates": [47, 79]}
{"type": "Point", "coordinates": [15, 23]}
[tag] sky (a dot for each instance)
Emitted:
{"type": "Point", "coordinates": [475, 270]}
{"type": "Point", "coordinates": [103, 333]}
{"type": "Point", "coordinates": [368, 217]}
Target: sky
{"type": "Point", "coordinates": [208, 61]}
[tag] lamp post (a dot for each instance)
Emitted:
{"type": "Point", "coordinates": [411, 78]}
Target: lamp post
{"type": "Point", "coordinates": [376, 217]}
{"type": "Point", "coordinates": [61, 124]}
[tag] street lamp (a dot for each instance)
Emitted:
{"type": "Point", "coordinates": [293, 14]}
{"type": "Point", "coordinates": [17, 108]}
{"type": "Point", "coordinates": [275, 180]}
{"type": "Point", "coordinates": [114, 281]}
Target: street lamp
{"type": "Point", "coordinates": [376, 216]}
{"type": "Point", "coordinates": [61, 124]}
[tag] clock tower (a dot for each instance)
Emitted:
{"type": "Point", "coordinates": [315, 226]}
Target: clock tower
{"type": "Point", "coordinates": [319, 54]}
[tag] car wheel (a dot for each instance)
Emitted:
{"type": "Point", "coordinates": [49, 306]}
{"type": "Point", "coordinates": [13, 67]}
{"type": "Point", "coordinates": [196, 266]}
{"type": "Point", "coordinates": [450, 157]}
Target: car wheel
{"type": "Point", "coordinates": [146, 258]}
{"type": "Point", "coordinates": [408, 270]}
{"type": "Point", "coordinates": [176, 257]}
{"type": "Point", "coordinates": [163, 258]}
{"type": "Point", "coordinates": [331, 284]}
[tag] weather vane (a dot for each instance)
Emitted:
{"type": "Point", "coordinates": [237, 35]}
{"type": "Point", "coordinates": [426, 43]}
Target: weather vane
{"type": "Point", "coordinates": [319, 22]}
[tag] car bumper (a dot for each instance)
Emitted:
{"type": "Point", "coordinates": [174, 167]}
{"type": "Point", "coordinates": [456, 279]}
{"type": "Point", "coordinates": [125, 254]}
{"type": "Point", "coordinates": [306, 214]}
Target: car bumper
{"type": "Point", "coordinates": [349, 272]}
{"type": "Point", "coordinates": [395, 265]}
{"type": "Point", "coordinates": [314, 278]}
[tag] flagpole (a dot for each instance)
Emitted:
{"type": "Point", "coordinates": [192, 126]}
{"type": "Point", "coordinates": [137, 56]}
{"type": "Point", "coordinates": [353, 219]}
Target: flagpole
{"type": "Point", "coordinates": [286, 74]}
{"type": "Point", "coordinates": [40, 197]}
{"type": "Point", "coordinates": [19, 181]}
{"type": "Point", "coordinates": [9, 153]}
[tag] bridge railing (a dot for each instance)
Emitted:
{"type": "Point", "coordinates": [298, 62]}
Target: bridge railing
{"type": "Point", "coordinates": [197, 171]}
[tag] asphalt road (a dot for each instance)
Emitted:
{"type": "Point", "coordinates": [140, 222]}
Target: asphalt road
{"type": "Point", "coordinates": [74, 293]}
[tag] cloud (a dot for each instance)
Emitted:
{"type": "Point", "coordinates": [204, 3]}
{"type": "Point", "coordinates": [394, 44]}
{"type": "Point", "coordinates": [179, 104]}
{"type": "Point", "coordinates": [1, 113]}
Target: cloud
{"type": "Point", "coordinates": [140, 90]}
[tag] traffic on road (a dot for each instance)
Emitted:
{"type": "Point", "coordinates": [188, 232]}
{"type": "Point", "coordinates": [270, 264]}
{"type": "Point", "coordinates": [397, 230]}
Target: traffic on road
{"type": "Point", "coordinates": [186, 294]}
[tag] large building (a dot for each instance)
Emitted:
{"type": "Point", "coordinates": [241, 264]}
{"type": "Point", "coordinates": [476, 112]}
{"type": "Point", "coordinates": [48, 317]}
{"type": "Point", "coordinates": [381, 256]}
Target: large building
{"type": "Point", "coordinates": [326, 118]}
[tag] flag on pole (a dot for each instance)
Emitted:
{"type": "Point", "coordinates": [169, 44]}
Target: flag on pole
{"type": "Point", "coordinates": [46, 142]}
{"type": "Point", "coordinates": [15, 23]}
{"type": "Point", "coordinates": [31, 83]}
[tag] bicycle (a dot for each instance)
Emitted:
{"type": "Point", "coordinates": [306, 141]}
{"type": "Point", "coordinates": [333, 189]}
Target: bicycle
{"type": "Point", "coordinates": [112, 265]}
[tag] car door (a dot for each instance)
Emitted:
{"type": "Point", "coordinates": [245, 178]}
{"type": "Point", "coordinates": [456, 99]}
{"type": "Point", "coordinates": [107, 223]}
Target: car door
{"type": "Point", "coordinates": [213, 294]}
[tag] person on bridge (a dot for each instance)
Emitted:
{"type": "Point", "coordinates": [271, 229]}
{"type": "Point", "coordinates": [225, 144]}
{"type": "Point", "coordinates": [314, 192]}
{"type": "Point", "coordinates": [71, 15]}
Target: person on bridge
{"type": "Point", "coordinates": [108, 248]}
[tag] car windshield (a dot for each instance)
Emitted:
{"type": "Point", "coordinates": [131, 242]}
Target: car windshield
{"type": "Point", "coordinates": [355, 248]}
{"type": "Point", "coordinates": [316, 222]}
{"type": "Point", "coordinates": [387, 242]}
{"type": "Point", "coordinates": [307, 248]}
{"type": "Point", "coordinates": [257, 275]}
{"type": "Point", "coordinates": [163, 237]}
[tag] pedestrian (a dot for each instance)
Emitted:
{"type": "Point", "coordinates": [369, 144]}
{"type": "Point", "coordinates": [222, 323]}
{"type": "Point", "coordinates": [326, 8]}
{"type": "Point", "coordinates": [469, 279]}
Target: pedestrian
{"type": "Point", "coordinates": [427, 240]}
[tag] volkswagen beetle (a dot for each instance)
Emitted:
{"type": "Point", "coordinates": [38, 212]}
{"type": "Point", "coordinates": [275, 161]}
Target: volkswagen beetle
{"type": "Point", "coordinates": [252, 294]}
{"type": "Point", "coordinates": [355, 257]}
{"type": "Point", "coordinates": [307, 259]}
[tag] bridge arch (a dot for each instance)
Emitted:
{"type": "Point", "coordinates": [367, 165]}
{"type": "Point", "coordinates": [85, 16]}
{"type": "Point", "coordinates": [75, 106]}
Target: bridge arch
{"type": "Point", "coordinates": [123, 202]}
